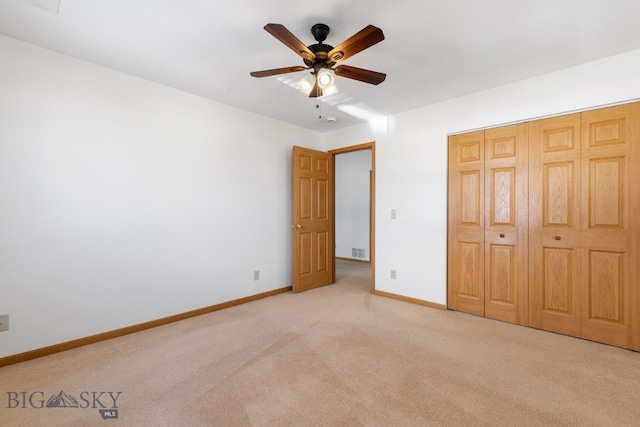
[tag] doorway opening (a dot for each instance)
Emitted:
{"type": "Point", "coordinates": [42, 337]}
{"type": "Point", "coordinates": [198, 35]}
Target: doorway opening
{"type": "Point", "coordinates": [353, 252]}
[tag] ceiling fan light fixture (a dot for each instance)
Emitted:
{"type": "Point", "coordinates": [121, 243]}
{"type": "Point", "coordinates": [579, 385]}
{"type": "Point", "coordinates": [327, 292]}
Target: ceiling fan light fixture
{"type": "Point", "coordinates": [306, 83]}
{"type": "Point", "coordinates": [325, 79]}
{"type": "Point", "coordinates": [331, 90]}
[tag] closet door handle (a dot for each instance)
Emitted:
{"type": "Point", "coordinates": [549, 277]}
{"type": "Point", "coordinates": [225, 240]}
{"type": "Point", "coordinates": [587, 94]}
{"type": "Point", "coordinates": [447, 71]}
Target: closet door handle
{"type": "Point", "coordinates": [558, 238]}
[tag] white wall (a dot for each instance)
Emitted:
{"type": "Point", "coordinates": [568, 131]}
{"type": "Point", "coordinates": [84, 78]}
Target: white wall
{"type": "Point", "coordinates": [352, 203]}
{"type": "Point", "coordinates": [411, 161]}
{"type": "Point", "coordinates": [124, 201]}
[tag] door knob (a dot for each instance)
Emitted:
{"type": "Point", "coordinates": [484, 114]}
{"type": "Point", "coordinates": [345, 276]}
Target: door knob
{"type": "Point", "coordinates": [297, 226]}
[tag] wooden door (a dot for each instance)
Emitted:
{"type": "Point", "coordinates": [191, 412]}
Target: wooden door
{"type": "Point", "coordinates": [506, 224]}
{"type": "Point", "coordinates": [610, 189]}
{"type": "Point", "coordinates": [554, 224]}
{"type": "Point", "coordinates": [465, 290]}
{"type": "Point", "coordinates": [312, 228]}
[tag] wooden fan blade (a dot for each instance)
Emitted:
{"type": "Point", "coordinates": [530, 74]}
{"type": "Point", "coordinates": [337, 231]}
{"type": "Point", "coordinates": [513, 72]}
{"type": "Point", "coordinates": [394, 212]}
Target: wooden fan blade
{"type": "Point", "coordinates": [276, 71]}
{"type": "Point", "coordinates": [367, 76]}
{"type": "Point", "coordinates": [285, 36]}
{"type": "Point", "coordinates": [365, 38]}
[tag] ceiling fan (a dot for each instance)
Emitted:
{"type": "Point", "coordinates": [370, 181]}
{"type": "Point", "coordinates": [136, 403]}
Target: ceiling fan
{"type": "Point", "coordinates": [322, 58]}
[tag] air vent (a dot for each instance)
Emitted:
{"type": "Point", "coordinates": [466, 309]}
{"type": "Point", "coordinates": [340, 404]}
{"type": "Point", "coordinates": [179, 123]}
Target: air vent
{"type": "Point", "coordinates": [357, 252]}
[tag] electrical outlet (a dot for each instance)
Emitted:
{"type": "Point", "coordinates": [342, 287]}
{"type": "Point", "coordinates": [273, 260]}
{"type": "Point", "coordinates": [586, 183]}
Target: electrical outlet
{"type": "Point", "coordinates": [393, 274]}
{"type": "Point", "coordinates": [4, 322]}
{"type": "Point", "coordinates": [256, 275]}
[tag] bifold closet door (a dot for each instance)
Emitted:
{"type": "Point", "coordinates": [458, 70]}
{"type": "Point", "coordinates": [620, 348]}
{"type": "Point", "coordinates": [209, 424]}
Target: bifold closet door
{"type": "Point", "coordinates": [506, 224]}
{"type": "Point", "coordinates": [610, 205]}
{"type": "Point", "coordinates": [584, 257]}
{"type": "Point", "coordinates": [465, 290]}
{"type": "Point", "coordinates": [488, 208]}
{"type": "Point", "coordinates": [554, 224]}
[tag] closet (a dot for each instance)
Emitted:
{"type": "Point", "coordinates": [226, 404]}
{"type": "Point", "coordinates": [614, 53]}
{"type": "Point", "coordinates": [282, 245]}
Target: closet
{"type": "Point", "coordinates": [487, 266]}
{"type": "Point", "coordinates": [543, 224]}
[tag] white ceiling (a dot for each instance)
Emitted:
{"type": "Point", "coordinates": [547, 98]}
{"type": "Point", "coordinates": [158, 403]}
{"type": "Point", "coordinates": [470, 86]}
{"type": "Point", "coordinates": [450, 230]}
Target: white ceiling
{"type": "Point", "coordinates": [433, 49]}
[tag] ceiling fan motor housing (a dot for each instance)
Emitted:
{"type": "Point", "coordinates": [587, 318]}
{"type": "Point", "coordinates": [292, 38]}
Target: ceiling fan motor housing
{"type": "Point", "coordinates": [321, 50]}
{"type": "Point", "coordinates": [320, 32]}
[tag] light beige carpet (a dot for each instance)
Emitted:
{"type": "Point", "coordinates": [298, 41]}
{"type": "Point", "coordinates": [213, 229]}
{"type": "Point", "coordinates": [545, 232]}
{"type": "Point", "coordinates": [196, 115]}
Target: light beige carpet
{"type": "Point", "coordinates": [335, 356]}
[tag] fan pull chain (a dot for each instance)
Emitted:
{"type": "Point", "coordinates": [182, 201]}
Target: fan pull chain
{"type": "Point", "coordinates": [320, 111]}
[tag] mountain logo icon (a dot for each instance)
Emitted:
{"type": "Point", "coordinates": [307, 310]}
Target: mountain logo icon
{"type": "Point", "coordinates": [62, 400]}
